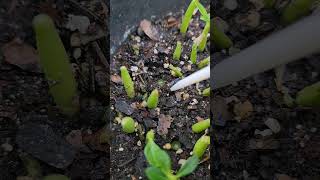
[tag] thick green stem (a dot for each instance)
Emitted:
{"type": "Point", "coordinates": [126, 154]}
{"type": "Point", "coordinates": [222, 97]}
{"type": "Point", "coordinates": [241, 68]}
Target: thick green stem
{"type": "Point", "coordinates": [187, 17]}
{"type": "Point", "coordinates": [55, 64]}
{"type": "Point", "coordinates": [204, 37]}
{"type": "Point", "coordinates": [193, 56]}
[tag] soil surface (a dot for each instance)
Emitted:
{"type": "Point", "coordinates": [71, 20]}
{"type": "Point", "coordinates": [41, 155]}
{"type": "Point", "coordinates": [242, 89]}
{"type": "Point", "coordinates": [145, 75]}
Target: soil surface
{"type": "Point", "coordinates": [32, 129]}
{"type": "Point", "coordinates": [257, 134]}
{"type": "Point", "coordinates": [147, 61]}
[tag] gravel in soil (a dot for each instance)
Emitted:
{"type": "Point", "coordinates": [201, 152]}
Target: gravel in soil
{"type": "Point", "coordinates": [256, 134]}
{"type": "Point", "coordinates": [30, 123]}
{"type": "Point", "coordinates": [147, 61]}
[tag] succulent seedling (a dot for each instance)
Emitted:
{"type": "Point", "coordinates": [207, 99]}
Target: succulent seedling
{"type": "Point", "coordinates": [128, 125]}
{"type": "Point", "coordinates": [177, 51]}
{"type": "Point", "coordinates": [153, 99]}
{"type": "Point", "coordinates": [220, 39]}
{"type": "Point", "coordinates": [56, 177]}
{"type": "Point", "coordinates": [175, 71]}
{"type": "Point", "coordinates": [206, 92]}
{"type": "Point", "coordinates": [55, 64]}
{"type": "Point", "coordinates": [204, 63]}
{"type": "Point", "coordinates": [127, 82]}
{"type": "Point", "coordinates": [201, 146]}
{"type": "Point", "coordinates": [309, 96]}
{"type": "Point", "coordinates": [193, 56]}
{"type": "Point", "coordinates": [187, 17]}
{"type": "Point", "coordinates": [201, 126]}
{"type": "Point", "coordinates": [160, 162]}
{"type": "Point", "coordinates": [295, 10]}
{"type": "Point", "coordinates": [206, 17]}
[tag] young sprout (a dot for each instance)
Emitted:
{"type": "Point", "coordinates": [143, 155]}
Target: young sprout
{"type": "Point", "coordinates": [187, 17]}
{"type": "Point", "coordinates": [128, 125]}
{"type": "Point", "coordinates": [204, 63]}
{"type": "Point", "coordinates": [193, 56]}
{"type": "Point", "coordinates": [201, 146]}
{"type": "Point", "coordinates": [220, 39]}
{"type": "Point", "coordinates": [295, 10]}
{"type": "Point", "coordinates": [201, 126]}
{"type": "Point", "coordinates": [153, 99]}
{"type": "Point", "coordinates": [55, 177]}
{"type": "Point", "coordinates": [177, 51]}
{"type": "Point", "coordinates": [204, 37]}
{"type": "Point", "coordinates": [206, 92]}
{"type": "Point", "coordinates": [127, 82]}
{"type": "Point", "coordinates": [175, 71]}
{"type": "Point", "coordinates": [309, 96]}
{"type": "Point", "coordinates": [55, 64]}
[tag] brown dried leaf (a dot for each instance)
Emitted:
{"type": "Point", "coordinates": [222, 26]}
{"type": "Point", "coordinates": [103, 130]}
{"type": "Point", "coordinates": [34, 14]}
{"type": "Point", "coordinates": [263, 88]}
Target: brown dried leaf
{"type": "Point", "coordinates": [164, 124]}
{"type": "Point", "coordinates": [116, 78]}
{"type": "Point", "coordinates": [149, 30]}
{"type": "Point", "coordinates": [22, 55]}
{"type": "Point", "coordinates": [172, 22]}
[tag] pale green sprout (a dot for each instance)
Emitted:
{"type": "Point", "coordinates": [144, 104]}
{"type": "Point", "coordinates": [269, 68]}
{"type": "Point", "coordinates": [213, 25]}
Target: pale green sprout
{"type": "Point", "coordinates": [177, 51]}
{"type": "Point", "coordinates": [206, 92]}
{"type": "Point", "coordinates": [127, 82]}
{"type": "Point", "coordinates": [204, 63]}
{"type": "Point", "coordinates": [201, 146]}
{"type": "Point", "coordinates": [128, 125]}
{"type": "Point", "coordinates": [175, 71]}
{"type": "Point", "coordinates": [187, 17]}
{"type": "Point", "coordinates": [193, 56]}
{"type": "Point", "coordinates": [153, 99]}
{"type": "Point", "coordinates": [201, 126]}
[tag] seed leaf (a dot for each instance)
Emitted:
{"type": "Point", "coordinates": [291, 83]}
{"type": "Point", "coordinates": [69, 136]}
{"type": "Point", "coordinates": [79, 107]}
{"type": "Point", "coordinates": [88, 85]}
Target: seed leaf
{"type": "Point", "coordinates": [157, 157]}
{"type": "Point", "coordinates": [154, 173]}
{"type": "Point", "coordinates": [189, 166]}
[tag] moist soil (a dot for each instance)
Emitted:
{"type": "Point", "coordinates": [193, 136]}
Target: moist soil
{"type": "Point", "coordinates": [240, 151]}
{"type": "Point", "coordinates": [147, 61]}
{"type": "Point", "coordinates": [27, 111]}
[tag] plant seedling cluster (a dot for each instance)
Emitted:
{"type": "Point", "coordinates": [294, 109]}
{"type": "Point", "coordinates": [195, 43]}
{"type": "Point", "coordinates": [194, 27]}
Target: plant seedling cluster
{"type": "Point", "coordinates": [160, 162]}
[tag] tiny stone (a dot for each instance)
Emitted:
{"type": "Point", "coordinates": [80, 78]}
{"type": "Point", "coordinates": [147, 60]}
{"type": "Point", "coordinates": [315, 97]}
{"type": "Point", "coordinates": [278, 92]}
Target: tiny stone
{"type": "Point", "coordinates": [182, 161]}
{"type": "Point", "coordinates": [181, 62]}
{"type": "Point", "coordinates": [139, 143]}
{"type": "Point", "coordinates": [77, 53]}
{"type": "Point", "coordinates": [273, 124]}
{"type": "Point", "coordinates": [134, 68]}
{"type": "Point", "coordinates": [167, 146]}
{"type": "Point", "coordinates": [165, 65]}
{"type": "Point", "coordinates": [179, 151]}
{"type": "Point", "coordinates": [155, 51]}
{"type": "Point", "coordinates": [121, 149]}
{"type": "Point", "coordinates": [7, 147]}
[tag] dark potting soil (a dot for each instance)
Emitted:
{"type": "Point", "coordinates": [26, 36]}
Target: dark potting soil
{"type": "Point", "coordinates": [147, 61]}
{"type": "Point", "coordinates": [246, 146]}
{"type": "Point", "coordinates": [31, 126]}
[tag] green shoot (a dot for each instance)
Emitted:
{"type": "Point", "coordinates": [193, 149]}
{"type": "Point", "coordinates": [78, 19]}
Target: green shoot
{"type": "Point", "coordinates": [153, 99]}
{"type": "Point", "coordinates": [295, 10]}
{"type": "Point", "coordinates": [128, 125]}
{"type": "Point", "coordinates": [187, 17]}
{"type": "Point", "coordinates": [175, 71]}
{"type": "Point", "coordinates": [206, 92]}
{"type": "Point", "coordinates": [309, 96]}
{"type": "Point", "coordinates": [56, 177]}
{"type": "Point", "coordinates": [177, 51]}
{"type": "Point", "coordinates": [201, 126]}
{"type": "Point", "coordinates": [204, 37]}
{"type": "Point", "coordinates": [204, 63]}
{"type": "Point", "coordinates": [193, 56]}
{"type": "Point", "coordinates": [220, 39]}
{"type": "Point", "coordinates": [55, 64]}
{"type": "Point", "coordinates": [160, 162]}
{"type": "Point", "coordinates": [127, 82]}
{"type": "Point", "coordinates": [201, 146]}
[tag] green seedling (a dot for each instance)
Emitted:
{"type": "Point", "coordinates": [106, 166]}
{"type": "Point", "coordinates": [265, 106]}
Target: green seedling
{"type": "Point", "coordinates": [201, 126]}
{"type": "Point", "coordinates": [204, 63]}
{"type": "Point", "coordinates": [204, 37]}
{"type": "Point", "coordinates": [128, 125]}
{"type": "Point", "coordinates": [177, 51]}
{"type": "Point", "coordinates": [153, 99]}
{"type": "Point", "coordinates": [206, 17]}
{"type": "Point", "coordinates": [193, 56]}
{"type": "Point", "coordinates": [309, 96]}
{"type": "Point", "coordinates": [201, 146]}
{"type": "Point", "coordinates": [187, 17]}
{"type": "Point", "coordinates": [55, 64]}
{"type": "Point", "coordinates": [175, 71]}
{"type": "Point", "coordinates": [206, 92]}
{"type": "Point", "coordinates": [295, 10]}
{"type": "Point", "coordinates": [269, 3]}
{"type": "Point", "coordinates": [56, 177]}
{"type": "Point", "coordinates": [220, 39]}
{"type": "Point", "coordinates": [160, 162]}
{"type": "Point", "coordinates": [127, 82]}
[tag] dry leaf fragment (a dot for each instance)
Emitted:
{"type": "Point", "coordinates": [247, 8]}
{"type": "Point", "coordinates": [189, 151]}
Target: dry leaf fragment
{"type": "Point", "coordinates": [164, 124]}
{"type": "Point", "coordinates": [22, 55]}
{"type": "Point", "coordinates": [149, 30]}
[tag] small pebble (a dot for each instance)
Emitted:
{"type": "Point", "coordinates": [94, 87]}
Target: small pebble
{"type": "Point", "coordinates": [179, 151]}
{"type": "Point", "coordinates": [182, 161]}
{"type": "Point", "coordinates": [77, 53]}
{"type": "Point", "coordinates": [139, 143]}
{"type": "Point", "coordinates": [167, 146]}
{"type": "Point", "coordinates": [121, 149]}
{"type": "Point", "coordinates": [134, 68]}
{"type": "Point", "coordinates": [7, 147]}
{"type": "Point", "coordinates": [273, 124]}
